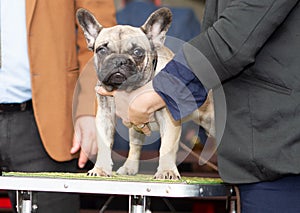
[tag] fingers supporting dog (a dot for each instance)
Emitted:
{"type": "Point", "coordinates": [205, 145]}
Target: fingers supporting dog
{"type": "Point", "coordinates": [142, 128]}
{"type": "Point", "coordinates": [102, 91]}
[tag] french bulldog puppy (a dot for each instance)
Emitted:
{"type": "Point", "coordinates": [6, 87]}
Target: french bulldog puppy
{"type": "Point", "coordinates": [126, 58]}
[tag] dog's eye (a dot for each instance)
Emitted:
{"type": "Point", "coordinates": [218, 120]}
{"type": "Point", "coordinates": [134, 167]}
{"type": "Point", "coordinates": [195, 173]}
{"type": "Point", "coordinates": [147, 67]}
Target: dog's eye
{"type": "Point", "coordinates": [138, 52]}
{"type": "Point", "coordinates": [102, 50]}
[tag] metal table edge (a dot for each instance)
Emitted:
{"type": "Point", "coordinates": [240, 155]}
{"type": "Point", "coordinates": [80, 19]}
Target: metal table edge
{"type": "Point", "coordinates": [158, 189]}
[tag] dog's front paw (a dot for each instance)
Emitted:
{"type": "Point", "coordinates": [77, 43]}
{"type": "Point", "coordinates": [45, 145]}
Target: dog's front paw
{"type": "Point", "coordinates": [129, 168]}
{"type": "Point", "coordinates": [167, 175]}
{"type": "Point", "coordinates": [126, 171]}
{"type": "Point", "coordinates": [99, 172]}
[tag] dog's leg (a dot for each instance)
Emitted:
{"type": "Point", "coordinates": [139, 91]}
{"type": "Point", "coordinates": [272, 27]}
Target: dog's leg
{"type": "Point", "coordinates": [105, 125]}
{"type": "Point", "coordinates": [205, 116]}
{"type": "Point", "coordinates": [131, 165]}
{"type": "Point", "coordinates": [170, 136]}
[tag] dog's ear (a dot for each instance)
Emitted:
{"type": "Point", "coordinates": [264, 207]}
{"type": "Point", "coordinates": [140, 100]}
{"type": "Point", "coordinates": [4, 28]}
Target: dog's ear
{"type": "Point", "coordinates": [90, 26]}
{"type": "Point", "coordinates": [157, 25]}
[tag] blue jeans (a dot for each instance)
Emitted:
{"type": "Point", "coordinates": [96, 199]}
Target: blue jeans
{"type": "Point", "coordinates": [279, 196]}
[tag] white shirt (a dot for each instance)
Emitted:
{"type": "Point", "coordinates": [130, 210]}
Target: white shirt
{"type": "Point", "coordinates": [15, 85]}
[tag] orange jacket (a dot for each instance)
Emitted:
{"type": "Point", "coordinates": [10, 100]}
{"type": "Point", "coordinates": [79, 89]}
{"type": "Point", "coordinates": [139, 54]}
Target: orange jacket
{"type": "Point", "coordinates": [56, 56]}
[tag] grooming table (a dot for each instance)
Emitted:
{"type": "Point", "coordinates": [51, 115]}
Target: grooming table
{"type": "Point", "coordinates": [139, 187]}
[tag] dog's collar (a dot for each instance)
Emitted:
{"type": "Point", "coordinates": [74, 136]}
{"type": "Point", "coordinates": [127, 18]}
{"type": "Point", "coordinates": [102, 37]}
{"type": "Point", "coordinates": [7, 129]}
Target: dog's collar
{"type": "Point", "coordinates": [154, 61]}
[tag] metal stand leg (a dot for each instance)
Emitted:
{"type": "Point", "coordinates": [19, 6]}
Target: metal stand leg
{"type": "Point", "coordinates": [26, 202]}
{"type": "Point", "coordinates": [231, 202]}
{"type": "Point", "coordinates": [232, 206]}
{"type": "Point", "coordinates": [105, 205]}
{"type": "Point", "coordinates": [139, 204]}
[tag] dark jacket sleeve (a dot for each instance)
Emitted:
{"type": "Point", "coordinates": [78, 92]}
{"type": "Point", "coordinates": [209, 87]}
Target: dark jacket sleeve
{"type": "Point", "coordinates": [179, 87]}
{"type": "Point", "coordinates": [232, 42]}
{"type": "Point", "coordinates": [221, 52]}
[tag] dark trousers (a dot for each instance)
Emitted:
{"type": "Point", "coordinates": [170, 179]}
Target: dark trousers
{"type": "Point", "coordinates": [21, 150]}
{"type": "Point", "coordinates": [280, 196]}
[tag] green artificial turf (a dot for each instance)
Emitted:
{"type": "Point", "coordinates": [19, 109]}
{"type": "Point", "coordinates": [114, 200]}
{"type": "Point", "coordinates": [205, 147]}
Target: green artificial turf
{"type": "Point", "coordinates": [115, 177]}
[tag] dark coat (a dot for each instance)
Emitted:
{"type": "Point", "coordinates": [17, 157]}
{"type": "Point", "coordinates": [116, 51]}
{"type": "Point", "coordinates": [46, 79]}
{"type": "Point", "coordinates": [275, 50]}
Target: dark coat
{"type": "Point", "coordinates": [254, 48]}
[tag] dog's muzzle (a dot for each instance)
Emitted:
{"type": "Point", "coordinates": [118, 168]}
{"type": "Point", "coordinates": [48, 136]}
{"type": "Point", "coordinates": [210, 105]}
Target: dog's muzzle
{"type": "Point", "coordinates": [116, 71]}
{"type": "Point", "coordinates": [116, 79]}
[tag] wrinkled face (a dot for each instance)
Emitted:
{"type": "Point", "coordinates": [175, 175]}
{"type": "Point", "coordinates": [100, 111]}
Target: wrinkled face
{"type": "Point", "coordinates": [124, 58]}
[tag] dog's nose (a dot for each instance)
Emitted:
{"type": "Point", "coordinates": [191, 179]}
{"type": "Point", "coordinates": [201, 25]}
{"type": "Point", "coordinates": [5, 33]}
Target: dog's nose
{"type": "Point", "coordinates": [118, 62]}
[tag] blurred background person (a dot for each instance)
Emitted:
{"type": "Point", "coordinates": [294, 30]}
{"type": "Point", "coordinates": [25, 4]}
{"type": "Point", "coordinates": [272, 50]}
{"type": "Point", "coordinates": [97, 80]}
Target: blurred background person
{"type": "Point", "coordinates": [41, 58]}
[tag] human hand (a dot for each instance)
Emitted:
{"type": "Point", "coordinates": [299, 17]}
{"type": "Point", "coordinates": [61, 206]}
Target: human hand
{"type": "Point", "coordinates": [141, 110]}
{"type": "Point", "coordinates": [136, 108]}
{"type": "Point", "coordinates": [84, 139]}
